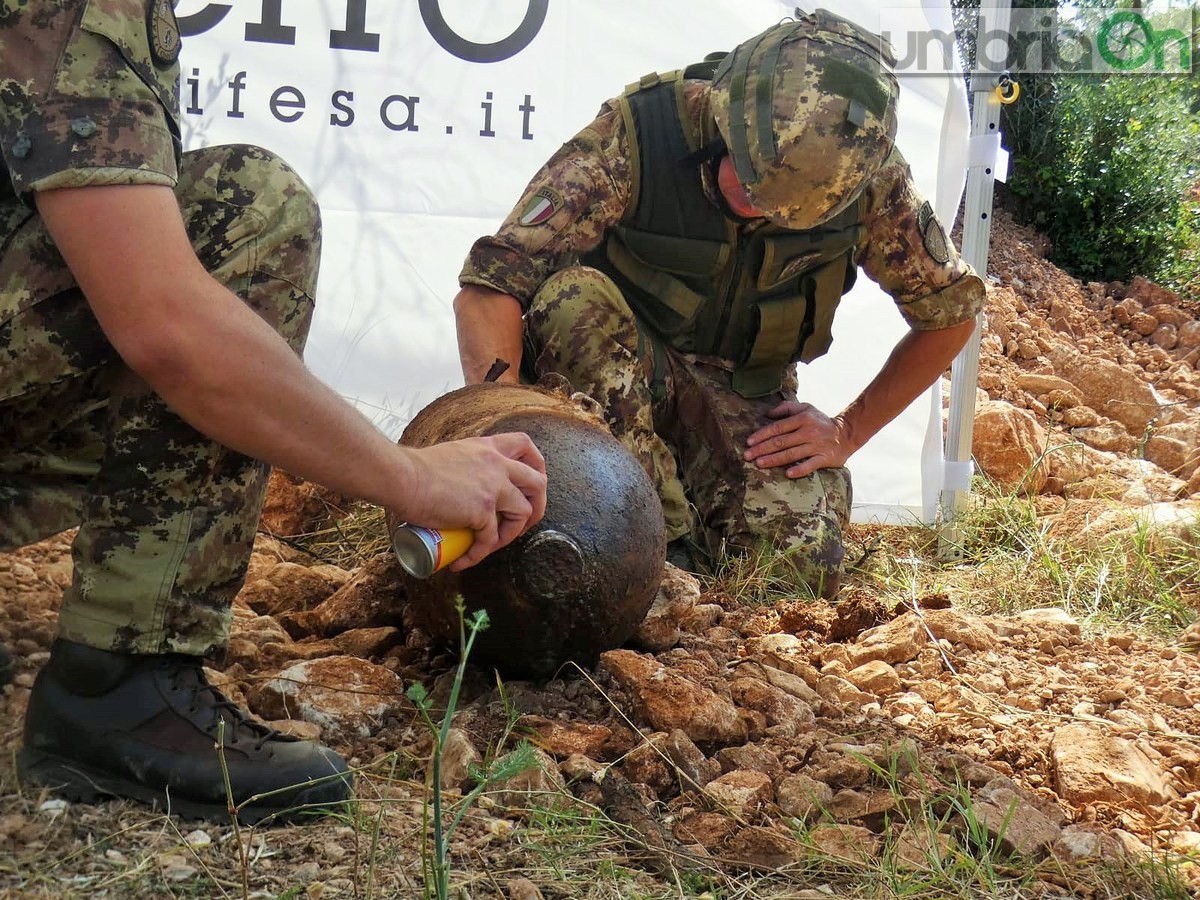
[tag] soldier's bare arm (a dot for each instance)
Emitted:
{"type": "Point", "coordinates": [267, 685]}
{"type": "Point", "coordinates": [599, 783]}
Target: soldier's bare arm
{"type": "Point", "coordinates": [229, 375]}
{"type": "Point", "coordinates": [804, 439]}
{"type": "Point", "coordinates": [489, 328]}
{"type": "Point", "coordinates": [566, 207]}
{"type": "Point", "coordinates": [495, 485]}
{"type": "Point", "coordinates": [907, 253]}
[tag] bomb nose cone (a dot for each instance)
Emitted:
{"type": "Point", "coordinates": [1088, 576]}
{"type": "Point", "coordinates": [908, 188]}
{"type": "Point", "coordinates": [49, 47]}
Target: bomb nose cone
{"type": "Point", "coordinates": [552, 567]}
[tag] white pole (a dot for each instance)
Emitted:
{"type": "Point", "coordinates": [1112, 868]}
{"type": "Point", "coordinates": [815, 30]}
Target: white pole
{"type": "Point", "coordinates": [994, 17]}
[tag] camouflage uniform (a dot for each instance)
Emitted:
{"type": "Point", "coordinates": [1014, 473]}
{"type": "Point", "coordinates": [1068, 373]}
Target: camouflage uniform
{"type": "Point", "coordinates": [89, 96]}
{"type": "Point", "coordinates": [677, 411]}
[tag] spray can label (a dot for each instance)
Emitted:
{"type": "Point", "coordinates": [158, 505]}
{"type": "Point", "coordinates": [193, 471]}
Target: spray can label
{"type": "Point", "coordinates": [423, 551]}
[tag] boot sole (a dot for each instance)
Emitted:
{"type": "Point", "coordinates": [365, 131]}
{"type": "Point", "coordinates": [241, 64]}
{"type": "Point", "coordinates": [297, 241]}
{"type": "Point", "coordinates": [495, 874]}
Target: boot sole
{"type": "Point", "coordinates": [79, 784]}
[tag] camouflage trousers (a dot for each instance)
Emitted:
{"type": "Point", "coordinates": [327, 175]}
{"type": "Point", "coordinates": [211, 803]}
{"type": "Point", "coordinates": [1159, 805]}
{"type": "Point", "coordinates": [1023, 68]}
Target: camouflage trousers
{"type": "Point", "coordinates": [687, 426]}
{"type": "Point", "coordinates": [166, 516]}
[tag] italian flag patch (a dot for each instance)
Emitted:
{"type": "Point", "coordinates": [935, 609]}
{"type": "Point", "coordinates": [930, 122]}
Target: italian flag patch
{"type": "Point", "coordinates": [541, 206]}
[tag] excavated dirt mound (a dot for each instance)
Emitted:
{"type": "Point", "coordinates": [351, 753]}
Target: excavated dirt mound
{"type": "Point", "coordinates": [1095, 386]}
{"type": "Point", "coordinates": [722, 732]}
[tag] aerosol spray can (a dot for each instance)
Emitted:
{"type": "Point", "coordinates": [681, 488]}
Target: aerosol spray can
{"type": "Point", "coordinates": [423, 551]}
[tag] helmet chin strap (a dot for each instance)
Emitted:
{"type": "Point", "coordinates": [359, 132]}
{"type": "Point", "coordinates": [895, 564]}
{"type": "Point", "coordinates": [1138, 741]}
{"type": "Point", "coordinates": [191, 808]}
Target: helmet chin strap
{"type": "Point", "coordinates": [711, 151]}
{"type": "Point", "coordinates": [710, 155]}
{"type": "Point", "coordinates": [723, 201]}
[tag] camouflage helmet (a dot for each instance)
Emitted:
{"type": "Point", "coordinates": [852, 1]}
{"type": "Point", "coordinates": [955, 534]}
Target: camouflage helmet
{"type": "Point", "coordinates": [807, 110]}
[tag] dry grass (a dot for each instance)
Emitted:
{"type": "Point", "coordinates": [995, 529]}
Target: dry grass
{"type": "Point", "coordinates": [570, 848]}
{"type": "Point", "coordinates": [347, 542]}
{"type": "Point", "coordinates": [1010, 560]}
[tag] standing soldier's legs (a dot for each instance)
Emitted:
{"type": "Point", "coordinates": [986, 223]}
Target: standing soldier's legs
{"type": "Point", "coordinates": [742, 507]}
{"type": "Point", "coordinates": [580, 326]}
{"type": "Point", "coordinates": [166, 516]}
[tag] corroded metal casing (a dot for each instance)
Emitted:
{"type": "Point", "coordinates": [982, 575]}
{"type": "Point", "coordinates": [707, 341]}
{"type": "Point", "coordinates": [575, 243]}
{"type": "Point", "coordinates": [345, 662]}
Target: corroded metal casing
{"type": "Point", "coordinates": [580, 581]}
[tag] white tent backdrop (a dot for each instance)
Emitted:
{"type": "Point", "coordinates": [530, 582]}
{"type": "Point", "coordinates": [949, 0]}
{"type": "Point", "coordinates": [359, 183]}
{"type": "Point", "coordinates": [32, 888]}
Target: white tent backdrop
{"type": "Point", "coordinates": [415, 147]}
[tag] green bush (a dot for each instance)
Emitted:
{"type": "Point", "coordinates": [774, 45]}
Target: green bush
{"type": "Point", "coordinates": [1107, 167]}
{"type": "Point", "coordinates": [1181, 269]}
{"type": "Point", "coordinates": [1110, 185]}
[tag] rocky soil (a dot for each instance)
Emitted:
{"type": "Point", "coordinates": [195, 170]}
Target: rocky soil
{"type": "Point", "coordinates": [726, 735]}
{"type": "Point", "coordinates": [1094, 386]}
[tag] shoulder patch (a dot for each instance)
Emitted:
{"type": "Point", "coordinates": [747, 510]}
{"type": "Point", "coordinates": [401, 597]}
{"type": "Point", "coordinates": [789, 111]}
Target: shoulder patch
{"type": "Point", "coordinates": [541, 206]}
{"type": "Point", "coordinates": [165, 40]}
{"type": "Point", "coordinates": [933, 234]}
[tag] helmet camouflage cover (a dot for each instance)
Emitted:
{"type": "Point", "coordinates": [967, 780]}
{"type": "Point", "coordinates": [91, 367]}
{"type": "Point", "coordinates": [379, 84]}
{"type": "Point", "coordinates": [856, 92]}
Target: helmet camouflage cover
{"type": "Point", "coordinates": [807, 110]}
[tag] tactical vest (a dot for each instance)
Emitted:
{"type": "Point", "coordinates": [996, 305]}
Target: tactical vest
{"type": "Point", "coordinates": [760, 300]}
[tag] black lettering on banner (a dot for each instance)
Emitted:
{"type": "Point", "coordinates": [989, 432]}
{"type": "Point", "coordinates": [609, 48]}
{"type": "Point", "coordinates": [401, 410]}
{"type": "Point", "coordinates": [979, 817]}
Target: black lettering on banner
{"type": "Point", "coordinates": [271, 29]}
{"type": "Point", "coordinates": [356, 36]}
{"type": "Point", "coordinates": [236, 87]}
{"type": "Point", "coordinates": [281, 100]}
{"type": "Point", "coordinates": [337, 102]}
{"type": "Point", "coordinates": [526, 108]}
{"type": "Point", "coordinates": [451, 41]}
{"type": "Point", "coordinates": [194, 108]}
{"type": "Point", "coordinates": [287, 104]}
{"type": "Point", "coordinates": [410, 104]}
{"type": "Point", "coordinates": [209, 17]}
{"type": "Point", "coordinates": [486, 106]}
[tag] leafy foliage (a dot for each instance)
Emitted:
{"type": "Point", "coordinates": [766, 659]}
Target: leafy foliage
{"type": "Point", "coordinates": [1107, 166]}
{"type": "Point", "coordinates": [1109, 185]}
{"type": "Point", "coordinates": [437, 858]}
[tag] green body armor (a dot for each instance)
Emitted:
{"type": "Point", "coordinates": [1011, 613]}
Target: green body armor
{"type": "Point", "coordinates": [760, 300]}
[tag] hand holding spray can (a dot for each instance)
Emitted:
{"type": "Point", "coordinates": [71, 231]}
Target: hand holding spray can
{"type": "Point", "coordinates": [423, 551]}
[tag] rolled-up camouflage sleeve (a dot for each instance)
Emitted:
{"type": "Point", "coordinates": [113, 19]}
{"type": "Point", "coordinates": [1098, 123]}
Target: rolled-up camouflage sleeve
{"type": "Point", "coordinates": [84, 99]}
{"type": "Point", "coordinates": [908, 253]}
{"type": "Point", "coordinates": [565, 210]}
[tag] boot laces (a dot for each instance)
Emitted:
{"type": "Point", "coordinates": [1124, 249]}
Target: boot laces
{"type": "Point", "coordinates": [203, 696]}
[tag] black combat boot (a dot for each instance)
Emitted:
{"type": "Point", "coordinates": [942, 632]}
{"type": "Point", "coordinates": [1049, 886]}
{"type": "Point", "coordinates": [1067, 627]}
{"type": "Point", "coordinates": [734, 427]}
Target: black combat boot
{"type": "Point", "coordinates": [145, 727]}
{"type": "Point", "coordinates": [7, 666]}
